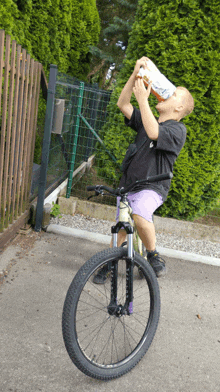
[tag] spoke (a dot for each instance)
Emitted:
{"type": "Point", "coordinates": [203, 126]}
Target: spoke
{"type": "Point", "coordinates": [125, 335]}
{"type": "Point", "coordinates": [90, 305]}
{"type": "Point", "coordinates": [97, 287]}
{"type": "Point", "coordinates": [107, 297]}
{"type": "Point", "coordinates": [135, 318]}
{"type": "Point", "coordinates": [141, 304]}
{"type": "Point", "coordinates": [141, 295]}
{"type": "Point", "coordinates": [143, 286]}
{"type": "Point", "coordinates": [90, 295]}
{"type": "Point", "coordinates": [135, 330]}
{"type": "Point", "coordinates": [113, 339]}
{"type": "Point", "coordinates": [112, 346]}
{"type": "Point", "coordinates": [128, 332]}
{"type": "Point", "coordinates": [142, 311]}
{"type": "Point", "coordinates": [97, 328]}
{"type": "Point", "coordinates": [138, 314]}
{"type": "Point", "coordinates": [87, 317]}
{"type": "Point", "coordinates": [105, 346]}
{"type": "Point", "coordinates": [94, 345]}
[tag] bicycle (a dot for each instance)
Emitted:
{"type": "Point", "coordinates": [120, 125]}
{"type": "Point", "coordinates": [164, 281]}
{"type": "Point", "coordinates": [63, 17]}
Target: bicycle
{"type": "Point", "coordinates": [108, 328]}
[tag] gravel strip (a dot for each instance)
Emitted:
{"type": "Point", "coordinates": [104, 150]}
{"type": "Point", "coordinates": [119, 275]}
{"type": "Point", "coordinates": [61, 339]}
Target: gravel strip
{"type": "Point", "coordinates": [202, 247]}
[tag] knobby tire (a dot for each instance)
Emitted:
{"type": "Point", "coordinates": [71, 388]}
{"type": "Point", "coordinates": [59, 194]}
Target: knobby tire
{"type": "Point", "coordinates": [104, 346]}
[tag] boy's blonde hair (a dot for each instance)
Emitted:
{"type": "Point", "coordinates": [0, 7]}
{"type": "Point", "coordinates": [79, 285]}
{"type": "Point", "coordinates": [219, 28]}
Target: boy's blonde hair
{"type": "Point", "coordinates": [188, 102]}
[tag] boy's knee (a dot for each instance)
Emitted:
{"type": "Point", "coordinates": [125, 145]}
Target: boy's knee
{"type": "Point", "coordinates": [142, 222]}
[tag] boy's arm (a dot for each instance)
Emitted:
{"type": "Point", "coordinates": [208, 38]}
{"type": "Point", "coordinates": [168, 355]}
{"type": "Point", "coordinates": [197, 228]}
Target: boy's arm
{"type": "Point", "coordinates": [125, 97]}
{"type": "Point", "coordinates": [124, 100]}
{"type": "Point", "coordinates": [150, 124]}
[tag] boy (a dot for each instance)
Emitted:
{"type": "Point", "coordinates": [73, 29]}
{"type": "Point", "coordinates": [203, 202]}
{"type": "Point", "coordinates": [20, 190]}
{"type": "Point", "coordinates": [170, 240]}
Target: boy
{"type": "Point", "coordinates": [165, 139]}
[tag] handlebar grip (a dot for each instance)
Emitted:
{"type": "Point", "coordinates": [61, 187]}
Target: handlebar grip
{"type": "Point", "coordinates": [100, 189]}
{"type": "Point", "coordinates": [160, 177]}
{"type": "Point", "coordinates": [91, 188]}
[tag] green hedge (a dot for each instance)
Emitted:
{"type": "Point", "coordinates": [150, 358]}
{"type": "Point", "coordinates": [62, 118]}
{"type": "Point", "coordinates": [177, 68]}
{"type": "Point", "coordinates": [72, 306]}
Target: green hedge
{"type": "Point", "coordinates": [182, 38]}
{"type": "Point", "coordinates": [54, 31]}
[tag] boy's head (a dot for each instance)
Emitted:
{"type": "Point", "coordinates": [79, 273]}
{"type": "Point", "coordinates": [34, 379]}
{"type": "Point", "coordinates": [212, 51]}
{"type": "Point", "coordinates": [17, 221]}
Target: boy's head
{"type": "Point", "coordinates": [179, 105]}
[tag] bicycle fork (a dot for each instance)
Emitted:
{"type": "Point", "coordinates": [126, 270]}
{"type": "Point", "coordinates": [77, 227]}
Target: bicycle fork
{"type": "Point", "coordinates": [114, 308]}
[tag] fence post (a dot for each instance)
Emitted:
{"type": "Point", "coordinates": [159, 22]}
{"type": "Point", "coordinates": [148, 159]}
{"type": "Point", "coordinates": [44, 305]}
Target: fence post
{"type": "Point", "coordinates": [73, 154]}
{"type": "Point", "coordinates": [46, 145]}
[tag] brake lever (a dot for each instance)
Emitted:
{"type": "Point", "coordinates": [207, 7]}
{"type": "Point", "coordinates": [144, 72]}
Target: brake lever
{"type": "Point", "coordinates": [88, 198]}
{"type": "Point", "coordinates": [97, 193]}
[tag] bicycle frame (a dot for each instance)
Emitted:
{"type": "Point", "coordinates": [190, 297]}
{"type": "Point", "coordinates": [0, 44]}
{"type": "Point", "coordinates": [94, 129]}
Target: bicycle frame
{"type": "Point", "coordinates": [125, 215]}
{"type": "Point", "coordinates": [125, 222]}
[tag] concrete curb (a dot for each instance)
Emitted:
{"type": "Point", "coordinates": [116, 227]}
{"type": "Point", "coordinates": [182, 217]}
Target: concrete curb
{"type": "Point", "coordinates": [105, 239]}
{"type": "Point", "coordinates": [162, 225]}
{"type": "Point", "coordinates": [88, 235]}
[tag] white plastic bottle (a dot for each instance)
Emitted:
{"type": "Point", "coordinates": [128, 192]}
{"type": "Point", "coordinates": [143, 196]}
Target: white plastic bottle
{"type": "Point", "coordinates": [162, 88]}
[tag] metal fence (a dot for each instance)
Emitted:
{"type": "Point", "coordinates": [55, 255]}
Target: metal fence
{"type": "Point", "coordinates": [79, 115]}
{"type": "Point", "coordinates": [75, 115]}
{"type": "Point", "coordinates": [20, 78]}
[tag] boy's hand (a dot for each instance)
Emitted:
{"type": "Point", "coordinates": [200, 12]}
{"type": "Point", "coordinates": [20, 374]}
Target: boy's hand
{"type": "Point", "coordinates": [140, 63]}
{"type": "Point", "coordinates": [140, 92]}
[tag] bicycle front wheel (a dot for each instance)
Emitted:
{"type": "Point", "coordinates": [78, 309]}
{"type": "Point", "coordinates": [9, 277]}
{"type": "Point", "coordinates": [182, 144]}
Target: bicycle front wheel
{"type": "Point", "coordinates": [101, 344]}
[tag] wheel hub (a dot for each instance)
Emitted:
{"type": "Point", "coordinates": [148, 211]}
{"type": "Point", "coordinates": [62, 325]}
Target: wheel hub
{"type": "Point", "coordinates": [116, 310]}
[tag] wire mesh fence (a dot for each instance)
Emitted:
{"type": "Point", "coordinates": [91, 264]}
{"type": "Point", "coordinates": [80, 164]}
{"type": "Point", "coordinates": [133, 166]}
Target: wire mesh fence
{"type": "Point", "coordinates": [79, 115]}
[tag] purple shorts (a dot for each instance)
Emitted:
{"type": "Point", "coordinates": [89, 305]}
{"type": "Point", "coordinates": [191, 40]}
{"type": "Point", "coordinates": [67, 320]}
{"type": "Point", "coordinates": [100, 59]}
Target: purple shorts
{"type": "Point", "coordinates": [143, 203]}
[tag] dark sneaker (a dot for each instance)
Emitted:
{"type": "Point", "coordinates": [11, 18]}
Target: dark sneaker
{"type": "Point", "coordinates": [157, 263]}
{"type": "Point", "coordinates": [101, 276]}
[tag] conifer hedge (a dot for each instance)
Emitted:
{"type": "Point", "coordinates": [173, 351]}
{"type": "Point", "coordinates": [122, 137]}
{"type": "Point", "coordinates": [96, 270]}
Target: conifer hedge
{"type": "Point", "coordinates": [54, 31]}
{"type": "Point", "coordinates": [182, 38]}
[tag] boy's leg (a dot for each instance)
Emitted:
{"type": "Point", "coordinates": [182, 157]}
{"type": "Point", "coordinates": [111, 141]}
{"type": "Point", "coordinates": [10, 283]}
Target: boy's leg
{"type": "Point", "coordinates": [146, 232]}
{"type": "Point", "coordinates": [143, 205]}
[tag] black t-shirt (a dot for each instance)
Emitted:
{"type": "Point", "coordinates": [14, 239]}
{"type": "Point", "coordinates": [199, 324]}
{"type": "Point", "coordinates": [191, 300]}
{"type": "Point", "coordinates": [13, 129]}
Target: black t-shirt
{"type": "Point", "coordinates": [154, 156]}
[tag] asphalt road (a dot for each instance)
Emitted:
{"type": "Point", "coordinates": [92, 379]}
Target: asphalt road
{"type": "Point", "coordinates": [184, 356]}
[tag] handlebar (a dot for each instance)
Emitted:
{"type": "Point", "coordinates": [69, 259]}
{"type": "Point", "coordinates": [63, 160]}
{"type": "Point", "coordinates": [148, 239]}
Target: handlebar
{"type": "Point", "coordinates": [121, 191]}
{"type": "Point", "coordinates": [160, 177]}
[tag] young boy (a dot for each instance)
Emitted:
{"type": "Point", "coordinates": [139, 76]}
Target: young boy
{"type": "Point", "coordinates": [165, 139]}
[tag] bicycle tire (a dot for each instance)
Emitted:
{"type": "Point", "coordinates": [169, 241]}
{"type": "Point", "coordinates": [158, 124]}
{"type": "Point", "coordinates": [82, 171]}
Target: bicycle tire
{"type": "Point", "coordinates": [79, 324]}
